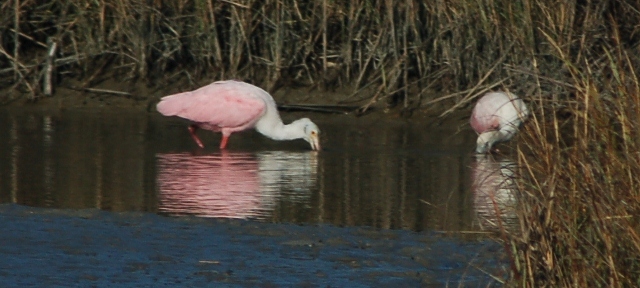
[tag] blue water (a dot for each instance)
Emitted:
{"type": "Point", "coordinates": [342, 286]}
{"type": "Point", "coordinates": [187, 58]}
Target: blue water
{"type": "Point", "coordinates": [93, 248]}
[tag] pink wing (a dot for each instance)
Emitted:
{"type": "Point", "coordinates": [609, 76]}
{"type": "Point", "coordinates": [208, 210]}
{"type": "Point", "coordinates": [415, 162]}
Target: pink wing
{"type": "Point", "coordinates": [220, 104]}
{"type": "Point", "coordinates": [482, 122]}
{"type": "Point", "coordinates": [483, 117]}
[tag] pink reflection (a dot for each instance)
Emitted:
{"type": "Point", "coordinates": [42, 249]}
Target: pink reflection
{"type": "Point", "coordinates": [223, 185]}
{"type": "Point", "coordinates": [231, 184]}
{"type": "Point", "coordinates": [493, 189]}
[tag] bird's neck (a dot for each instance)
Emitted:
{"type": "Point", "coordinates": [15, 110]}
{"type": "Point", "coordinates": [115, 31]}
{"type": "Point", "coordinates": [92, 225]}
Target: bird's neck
{"type": "Point", "coordinates": [279, 131]}
{"type": "Point", "coordinates": [507, 131]}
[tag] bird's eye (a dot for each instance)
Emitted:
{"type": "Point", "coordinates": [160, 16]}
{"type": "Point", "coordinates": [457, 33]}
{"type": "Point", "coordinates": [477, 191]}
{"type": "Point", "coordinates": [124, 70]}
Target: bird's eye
{"type": "Point", "coordinates": [313, 133]}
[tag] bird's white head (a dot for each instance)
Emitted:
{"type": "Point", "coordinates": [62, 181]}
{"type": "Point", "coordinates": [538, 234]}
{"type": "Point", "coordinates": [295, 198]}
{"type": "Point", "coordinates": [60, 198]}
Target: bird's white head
{"type": "Point", "coordinates": [311, 132]}
{"type": "Point", "coordinates": [486, 140]}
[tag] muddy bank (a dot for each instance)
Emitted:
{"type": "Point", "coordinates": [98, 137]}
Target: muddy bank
{"type": "Point", "coordinates": [116, 95]}
{"type": "Point", "coordinates": [54, 248]}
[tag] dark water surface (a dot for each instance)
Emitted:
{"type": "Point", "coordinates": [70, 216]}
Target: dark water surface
{"type": "Point", "coordinates": [408, 176]}
{"type": "Point", "coordinates": [372, 172]}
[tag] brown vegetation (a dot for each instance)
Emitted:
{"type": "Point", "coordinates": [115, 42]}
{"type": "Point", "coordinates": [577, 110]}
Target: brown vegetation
{"type": "Point", "coordinates": [574, 62]}
{"type": "Point", "coordinates": [401, 51]}
{"type": "Point", "coordinates": [579, 196]}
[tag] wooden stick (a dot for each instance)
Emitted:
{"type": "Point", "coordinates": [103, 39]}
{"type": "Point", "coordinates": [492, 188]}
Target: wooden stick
{"type": "Point", "coordinates": [336, 109]}
{"type": "Point", "coordinates": [16, 36]}
{"type": "Point", "coordinates": [49, 67]}
{"type": "Point", "coordinates": [96, 90]}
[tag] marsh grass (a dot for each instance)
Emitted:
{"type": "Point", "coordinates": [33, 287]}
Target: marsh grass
{"type": "Point", "coordinates": [394, 52]}
{"type": "Point", "coordinates": [580, 197]}
{"type": "Point", "coordinates": [580, 161]}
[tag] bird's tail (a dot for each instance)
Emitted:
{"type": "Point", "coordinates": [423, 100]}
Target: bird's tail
{"type": "Point", "coordinates": [171, 105]}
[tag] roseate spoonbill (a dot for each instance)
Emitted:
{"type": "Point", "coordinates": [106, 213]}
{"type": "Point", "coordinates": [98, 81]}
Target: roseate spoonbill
{"type": "Point", "coordinates": [496, 118]}
{"type": "Point", "coordinates": [232, 106]}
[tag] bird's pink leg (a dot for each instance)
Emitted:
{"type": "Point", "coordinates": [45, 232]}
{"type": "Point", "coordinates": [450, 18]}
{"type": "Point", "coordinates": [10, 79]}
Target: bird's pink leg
{"type": "Point", "coordinates": [192, 131]}
{"type": "Point", "coordinates": [225, 138]}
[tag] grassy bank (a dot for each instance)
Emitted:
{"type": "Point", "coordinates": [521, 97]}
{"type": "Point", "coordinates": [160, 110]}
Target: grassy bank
{"type": "Point", "coordinates": [580, 191]}
{"type": "Point", "coordinates": [576, 64]}
{"type": "Point", "coordinates": [396, 51]}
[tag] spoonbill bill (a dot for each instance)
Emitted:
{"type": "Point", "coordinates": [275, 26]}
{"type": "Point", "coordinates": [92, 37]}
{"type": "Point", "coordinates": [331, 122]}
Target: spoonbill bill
{"type": "Point", "coordinates": [496, 118]}
{"type": "Point", "coordinates": [233, 106]}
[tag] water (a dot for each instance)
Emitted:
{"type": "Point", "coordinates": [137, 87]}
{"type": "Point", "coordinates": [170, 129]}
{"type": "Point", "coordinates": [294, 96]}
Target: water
{"type": "Point", "coordinates": [373, 171]}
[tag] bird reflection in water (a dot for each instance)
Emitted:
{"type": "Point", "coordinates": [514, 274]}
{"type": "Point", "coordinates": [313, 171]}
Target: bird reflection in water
{"type": "Point", "coordinates": [232, 184]}
{"type": "Point", "coordinates": [493, 187]}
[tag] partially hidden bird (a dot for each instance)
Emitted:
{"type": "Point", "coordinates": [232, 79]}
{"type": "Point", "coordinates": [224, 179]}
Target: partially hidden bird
{"type": "Point", "coordinates": [496, 118]}
{"type": "Point", "coordinates": [232, 106]}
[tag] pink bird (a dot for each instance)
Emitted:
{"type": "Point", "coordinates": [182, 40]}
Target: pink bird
{"type": "Point", "coordinates": [232, 106]}
{"type": "Point", "coordinates": [496, 118]}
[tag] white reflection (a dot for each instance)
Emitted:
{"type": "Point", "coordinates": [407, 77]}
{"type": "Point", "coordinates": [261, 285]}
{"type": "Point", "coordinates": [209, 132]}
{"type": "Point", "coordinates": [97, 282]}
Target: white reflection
{"type": "Point", "coordinates": [288, 173]}
{"type": "Point", "coordinates": [493, 185]}
{"type": "Point", "coordinates": [232, 184]}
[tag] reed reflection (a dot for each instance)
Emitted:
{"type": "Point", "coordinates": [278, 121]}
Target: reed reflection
{"type": "Point", "coordinates": [390, 175]}
{"type": "Point", "coordinates": [233, 184]}
{"type": "Point", "coordinates": [494, 186]}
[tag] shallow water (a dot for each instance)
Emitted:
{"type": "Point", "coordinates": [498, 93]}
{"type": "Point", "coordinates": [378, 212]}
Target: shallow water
{"type": "Point", "coordinates": [92, 248]}
{"type": "Point", "coordinates": [118, 187]}
{"type": "Point", "coordinates": [372, 171]}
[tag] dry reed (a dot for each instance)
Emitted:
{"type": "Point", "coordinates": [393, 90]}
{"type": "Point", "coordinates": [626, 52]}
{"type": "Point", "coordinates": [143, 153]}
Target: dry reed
{"type": "Point", "coordinates": [579, 194]}
{"type": "Point", "coordinates": [402, 51]}
{"type": "Point", "coordinates": [579, 157]}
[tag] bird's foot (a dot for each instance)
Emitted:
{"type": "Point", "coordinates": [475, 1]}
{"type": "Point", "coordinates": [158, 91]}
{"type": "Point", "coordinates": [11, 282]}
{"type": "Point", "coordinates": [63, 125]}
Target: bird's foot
{"type": "Point", "coordinates": [192, 131]}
